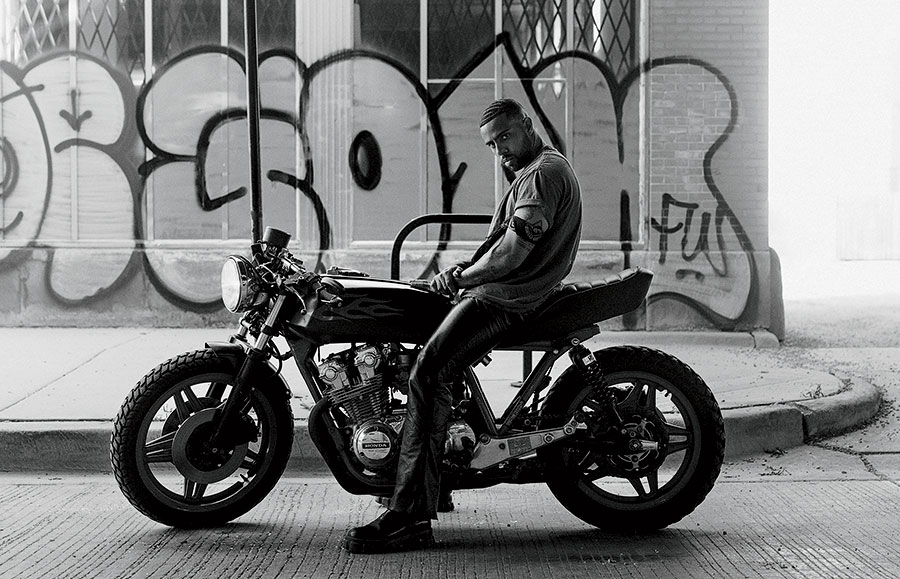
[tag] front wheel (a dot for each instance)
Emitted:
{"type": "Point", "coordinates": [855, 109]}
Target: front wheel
{"type": "Point", "coordinates": [665, 406]}
{"type": "Point", "coordinates": [160, 450]}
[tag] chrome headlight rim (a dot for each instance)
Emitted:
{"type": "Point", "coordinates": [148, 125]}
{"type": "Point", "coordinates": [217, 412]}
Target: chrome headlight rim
{"type": "Point", "coordinates": [242, 288]}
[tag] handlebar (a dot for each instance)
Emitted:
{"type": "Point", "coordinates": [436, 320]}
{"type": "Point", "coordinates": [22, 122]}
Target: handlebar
{"type": "Point", "coordinates": [422, 284]}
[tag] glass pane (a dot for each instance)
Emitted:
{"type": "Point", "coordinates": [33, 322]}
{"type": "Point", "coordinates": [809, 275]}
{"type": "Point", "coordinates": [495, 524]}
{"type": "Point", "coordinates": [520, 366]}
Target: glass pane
{"type": "Point", "coordinates": [382, 151]}
{"type": "Point", "coordinates": [537, 28]}
{"type": "Point", "coordinates": [114, 31]}
{"type": "Point", "coordinates": [608, 28]}
{"type": "Point", "coordinates": [460, 115]}
{"type": "Point", "coordinates": [275, 24]}
{"type": "Point", "coordinates": [182, 24]}
{"type": "Point", "coordinates": [458, 30]}
{"type": "Point", "coordinates": [391, 27]}
{"type": "Point", "coordinates": [41, 26]}
{"type": "Point", "coordinates": [176, 213]}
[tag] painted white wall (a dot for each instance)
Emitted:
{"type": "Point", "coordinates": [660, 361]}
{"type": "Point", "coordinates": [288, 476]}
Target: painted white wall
{"type": "Point", "coordinates": [834, 120]}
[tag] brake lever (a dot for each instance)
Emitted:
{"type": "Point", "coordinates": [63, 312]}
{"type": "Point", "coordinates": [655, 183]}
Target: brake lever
{"type": "Point", "coordinates": [334, 301]}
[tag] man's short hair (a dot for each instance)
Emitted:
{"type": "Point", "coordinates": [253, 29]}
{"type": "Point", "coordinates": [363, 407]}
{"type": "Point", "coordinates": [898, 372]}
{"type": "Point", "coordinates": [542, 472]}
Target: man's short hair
{"type": "Point", "coordinates": [499, 107]}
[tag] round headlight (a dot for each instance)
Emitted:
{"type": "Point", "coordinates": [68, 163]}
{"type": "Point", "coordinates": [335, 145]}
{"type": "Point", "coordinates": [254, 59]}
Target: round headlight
{"type": "Point", "coordinates": [241, 287]}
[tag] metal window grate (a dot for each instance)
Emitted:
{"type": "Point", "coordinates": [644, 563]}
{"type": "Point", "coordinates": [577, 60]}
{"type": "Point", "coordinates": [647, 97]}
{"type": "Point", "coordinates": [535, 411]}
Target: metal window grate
{"type": "Point", "coordinates": [114, 31]}
{"type": "Point", "coordinates": [607, 28]}
{"type": "Point", "coordinates": [457, 29]}
{"type": "Point", "coordinates": [182, 24]}
{"type": "Point", "coordinates": [391, 27]}
{"type": "Point", "coordinates": [41, 26]}
{"type": "Point", "coordinates": [275, 21]}
{"type": "Point", "coordinates": [537, 28]}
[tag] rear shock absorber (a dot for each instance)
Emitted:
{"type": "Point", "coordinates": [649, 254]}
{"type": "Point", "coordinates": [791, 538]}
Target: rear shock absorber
{"type": "Point", "coordinates": [592, 374]}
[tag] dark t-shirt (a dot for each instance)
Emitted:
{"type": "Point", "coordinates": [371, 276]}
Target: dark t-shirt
{"type": "Point", "coordinates": [548, 183]}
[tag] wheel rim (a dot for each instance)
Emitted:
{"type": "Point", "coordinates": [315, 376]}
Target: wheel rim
{"type": "Point", "coordinates": [169, 464]}
{"type": "Point", "coordinates": [654, 479]}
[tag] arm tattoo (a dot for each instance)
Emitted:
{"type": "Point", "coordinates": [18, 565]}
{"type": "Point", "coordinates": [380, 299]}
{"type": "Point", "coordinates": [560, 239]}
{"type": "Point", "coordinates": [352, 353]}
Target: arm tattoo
{"type": "Point", "coordinates": [530, 232]}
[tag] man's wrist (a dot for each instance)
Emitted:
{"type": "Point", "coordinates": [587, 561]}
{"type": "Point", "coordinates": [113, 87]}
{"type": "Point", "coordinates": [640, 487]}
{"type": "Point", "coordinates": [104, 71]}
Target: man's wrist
{"type": "Point", "coordinates": [458, 276]}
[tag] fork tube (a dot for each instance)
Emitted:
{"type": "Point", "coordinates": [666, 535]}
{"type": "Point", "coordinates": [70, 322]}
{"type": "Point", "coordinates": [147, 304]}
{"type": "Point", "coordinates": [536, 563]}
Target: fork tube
{"type": "Point", "coordinates": [535, 381]}
{"type": "Point", "coordinates": [256, 356]}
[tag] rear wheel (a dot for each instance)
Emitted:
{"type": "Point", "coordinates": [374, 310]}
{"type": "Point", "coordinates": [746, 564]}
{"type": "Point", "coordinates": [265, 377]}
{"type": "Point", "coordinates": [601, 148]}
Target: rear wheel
{"type": "Point", "coordinates": [663, 404]}
{"type": "Point", "coordinates": [161, 453]}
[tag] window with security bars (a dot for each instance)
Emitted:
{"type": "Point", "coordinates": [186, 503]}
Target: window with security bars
{"type": "Point", "coordinates": [41, 26]}
{"type": "Point", "coordinates": [457, 29]}
{"type": "Point", "coordinates": [605, 28]}
{"type": "Point", "coordinates": [455, 33]}
{"type": "Point", "coordinates": [182, 24]}
{"type": "Point", "coordinates": [536, 27]}
{"type": "Point", "coordinates": [275, 24]}
{"type": "Point", "coordinates": [391, 27]}
{"type": "Point", "coordinates": [114, 31]}
{"type": "Point", "coordinates": [608, 28]}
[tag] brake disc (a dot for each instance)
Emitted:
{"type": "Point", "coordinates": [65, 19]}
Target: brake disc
{"type": "Point", "coordinates": [193, 456]}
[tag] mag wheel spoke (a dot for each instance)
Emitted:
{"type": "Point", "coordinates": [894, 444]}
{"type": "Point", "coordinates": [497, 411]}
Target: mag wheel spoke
{"type": "Point", "coordinates": [193, 491]}
{"type": "Point", "coordinates": [186, 403]}
{"type": "Point", "coordinates": [251, 461]}
{"type": "Point", "coordinates": [679, 438]}
{"type": "Point", "coordinates": [159, 449]}
{"type": "Point", "coordinates": [651, 488]}
{"type": "Point", "coordinates": [648, 400]}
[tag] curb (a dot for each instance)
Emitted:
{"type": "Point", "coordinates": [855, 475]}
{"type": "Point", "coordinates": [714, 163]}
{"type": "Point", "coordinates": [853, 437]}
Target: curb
{"type": "Point", "coordinates": [84, 446]}
{"type": "Point", "coordinates": [662, 339]}
{"type": "Point", "coordinates": [842, 411]}
{"type": "Point", "coordinates": [784, 425]}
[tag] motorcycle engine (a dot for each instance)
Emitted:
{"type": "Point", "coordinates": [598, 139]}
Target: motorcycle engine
{"type": "Point", "coordinates": [361, 381]}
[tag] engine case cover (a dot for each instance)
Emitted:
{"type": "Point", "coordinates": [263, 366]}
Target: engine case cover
{"type": "Point", "coordinates": [375, 444]}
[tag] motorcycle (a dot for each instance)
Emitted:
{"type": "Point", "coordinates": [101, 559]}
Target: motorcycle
{"type": "Point", "coordinates": [627, 438]}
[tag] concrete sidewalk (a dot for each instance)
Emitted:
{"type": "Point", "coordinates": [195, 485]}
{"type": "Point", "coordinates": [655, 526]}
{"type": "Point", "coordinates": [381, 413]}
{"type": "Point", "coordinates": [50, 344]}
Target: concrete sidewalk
{"type": "Point", "coordinates": [62, 387]}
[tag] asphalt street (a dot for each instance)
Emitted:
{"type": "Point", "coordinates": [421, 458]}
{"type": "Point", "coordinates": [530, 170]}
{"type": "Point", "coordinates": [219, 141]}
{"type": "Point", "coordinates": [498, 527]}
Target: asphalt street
{"type": "Point", "coordinates": [828, 509]}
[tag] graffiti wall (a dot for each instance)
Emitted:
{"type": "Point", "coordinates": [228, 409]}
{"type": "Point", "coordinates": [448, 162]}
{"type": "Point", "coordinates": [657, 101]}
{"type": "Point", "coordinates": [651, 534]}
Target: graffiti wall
{"type": "Point", "coordinates": [118, 201]}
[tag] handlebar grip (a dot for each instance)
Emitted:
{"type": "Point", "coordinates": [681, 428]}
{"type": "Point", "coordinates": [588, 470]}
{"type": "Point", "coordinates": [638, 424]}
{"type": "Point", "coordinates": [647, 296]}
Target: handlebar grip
{"type": "Point", "coordinates": [422, 284]}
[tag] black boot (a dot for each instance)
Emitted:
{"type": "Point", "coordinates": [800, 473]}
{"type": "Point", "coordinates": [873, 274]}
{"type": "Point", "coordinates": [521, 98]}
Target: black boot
{"type": "Point", "coordinates": [391, 531]}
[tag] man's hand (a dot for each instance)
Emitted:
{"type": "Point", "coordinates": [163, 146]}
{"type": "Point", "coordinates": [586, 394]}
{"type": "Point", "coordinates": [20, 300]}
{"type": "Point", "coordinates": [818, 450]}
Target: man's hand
{"type": "Point", "coordinates": [446, 281]}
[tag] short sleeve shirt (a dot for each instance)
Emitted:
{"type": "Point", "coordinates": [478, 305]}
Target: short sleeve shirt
{"type": "Point", "coordinates": [549, 184]}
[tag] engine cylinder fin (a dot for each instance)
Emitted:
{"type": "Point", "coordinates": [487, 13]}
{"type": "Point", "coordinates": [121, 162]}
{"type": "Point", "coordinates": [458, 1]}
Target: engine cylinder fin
{"type": "Point", "coordinates": [365, 401]}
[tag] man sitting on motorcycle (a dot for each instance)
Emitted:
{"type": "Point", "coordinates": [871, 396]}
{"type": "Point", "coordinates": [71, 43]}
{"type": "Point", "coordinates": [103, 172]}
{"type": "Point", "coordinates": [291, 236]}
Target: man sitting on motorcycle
{"type": "Point", "coordinates": [531, 246]}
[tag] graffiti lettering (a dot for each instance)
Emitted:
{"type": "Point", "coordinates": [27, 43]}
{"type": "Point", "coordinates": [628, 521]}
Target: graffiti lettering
{"type": "Point", "coordinates": [73, 118]}
{"type": "Point", "coordinates": [166, 164]}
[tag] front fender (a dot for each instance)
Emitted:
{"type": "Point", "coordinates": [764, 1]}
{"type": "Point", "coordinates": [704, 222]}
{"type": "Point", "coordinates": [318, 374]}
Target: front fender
{"type": "Point", "coordinates": [269, 377]}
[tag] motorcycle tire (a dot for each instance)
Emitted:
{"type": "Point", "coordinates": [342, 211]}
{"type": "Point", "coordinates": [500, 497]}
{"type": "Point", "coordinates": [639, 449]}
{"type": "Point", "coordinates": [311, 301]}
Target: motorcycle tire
{"type": "Point", "coordinates": [660, 399]}
{"type": "Point", "coordinates": [159, 446]}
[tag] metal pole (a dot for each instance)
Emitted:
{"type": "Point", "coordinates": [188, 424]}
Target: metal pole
{"type": "Point", "coordinates": [252, 59]}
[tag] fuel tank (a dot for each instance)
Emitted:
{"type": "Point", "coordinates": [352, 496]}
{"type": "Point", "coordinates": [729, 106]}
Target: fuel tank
{"type": "Point", "coordinates": [371, 310]}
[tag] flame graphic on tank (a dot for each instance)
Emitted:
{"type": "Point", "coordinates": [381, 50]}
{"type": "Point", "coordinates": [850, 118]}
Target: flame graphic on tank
{"type": "Point", "coordinates": [360, 309]}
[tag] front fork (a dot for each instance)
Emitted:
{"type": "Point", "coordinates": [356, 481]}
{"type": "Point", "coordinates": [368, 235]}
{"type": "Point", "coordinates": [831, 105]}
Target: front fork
{"type": "Point", "coordinates": [228, 416]}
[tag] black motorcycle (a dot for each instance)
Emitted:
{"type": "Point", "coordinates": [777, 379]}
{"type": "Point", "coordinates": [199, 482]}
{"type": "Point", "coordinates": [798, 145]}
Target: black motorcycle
{"type": "Point", "coordinates": [627, 438]}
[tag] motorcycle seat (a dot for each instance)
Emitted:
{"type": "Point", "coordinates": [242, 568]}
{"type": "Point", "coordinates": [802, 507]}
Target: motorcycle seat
{"type": "Point", "coordinates": [580, 305]}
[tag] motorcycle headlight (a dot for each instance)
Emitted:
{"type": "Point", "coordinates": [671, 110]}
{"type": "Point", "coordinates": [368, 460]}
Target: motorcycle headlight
{"type": "Point", "coordinates": [241, 286]}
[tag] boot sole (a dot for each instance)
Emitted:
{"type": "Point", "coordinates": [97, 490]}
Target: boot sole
{"type": "Point", "coordinates": [418, 540]}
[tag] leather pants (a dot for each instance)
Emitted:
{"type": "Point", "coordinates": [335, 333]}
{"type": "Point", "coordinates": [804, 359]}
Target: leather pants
{"type": "Point", "coordinates": [470, 330]}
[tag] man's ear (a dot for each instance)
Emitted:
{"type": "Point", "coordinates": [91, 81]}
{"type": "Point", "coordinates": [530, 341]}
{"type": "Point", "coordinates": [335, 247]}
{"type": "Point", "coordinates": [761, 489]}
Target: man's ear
{"type": "Point", "coordinates": [529, 126]}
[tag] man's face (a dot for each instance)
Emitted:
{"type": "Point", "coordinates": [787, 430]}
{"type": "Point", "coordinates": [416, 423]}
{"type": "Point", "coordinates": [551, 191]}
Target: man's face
{"type": "Point", "coordinates": [510, 139]}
